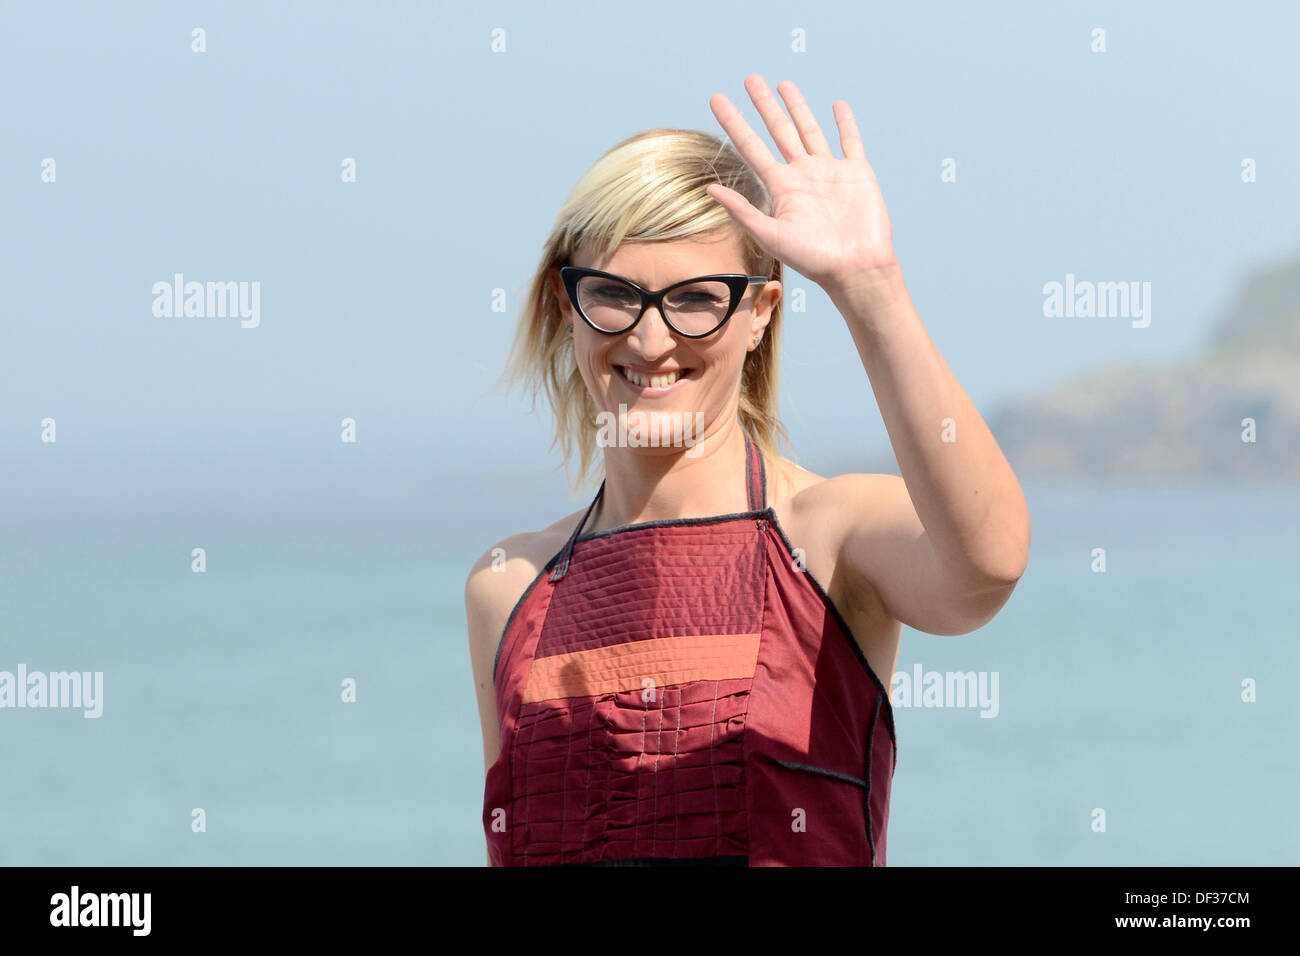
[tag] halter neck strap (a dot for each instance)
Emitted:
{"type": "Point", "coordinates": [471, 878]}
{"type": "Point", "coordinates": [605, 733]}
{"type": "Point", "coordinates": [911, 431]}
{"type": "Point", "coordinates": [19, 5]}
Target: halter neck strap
{"type": "Point", "coordinates": [755, 489]}
{"type": "Point", "coordinates": [755, 476]}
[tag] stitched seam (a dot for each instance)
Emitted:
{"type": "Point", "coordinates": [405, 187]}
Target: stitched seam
{"type": "Point", "coordinates": [824, 771]}
{"type": "Point", "coordinates": [871, 746]}
{"type": "Point", "coordinates": [847, 631]}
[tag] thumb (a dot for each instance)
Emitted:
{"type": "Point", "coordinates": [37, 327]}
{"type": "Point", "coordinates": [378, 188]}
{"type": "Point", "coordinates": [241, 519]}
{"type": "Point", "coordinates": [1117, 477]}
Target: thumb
{"type": "Point", "coordinates": [742, 210]}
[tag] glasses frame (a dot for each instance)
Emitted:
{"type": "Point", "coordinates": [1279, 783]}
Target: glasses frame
{"type": "Point", "coordinates": [738, 282]}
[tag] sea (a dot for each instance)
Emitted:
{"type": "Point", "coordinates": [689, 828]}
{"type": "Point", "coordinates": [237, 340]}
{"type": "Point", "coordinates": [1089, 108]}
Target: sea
{"type": "Point", "coordinates": [307, 698]}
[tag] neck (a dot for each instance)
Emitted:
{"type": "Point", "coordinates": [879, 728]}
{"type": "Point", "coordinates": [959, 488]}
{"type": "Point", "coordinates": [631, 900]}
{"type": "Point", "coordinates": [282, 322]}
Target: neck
{"type": "Point", "coordinates": [662, 484]}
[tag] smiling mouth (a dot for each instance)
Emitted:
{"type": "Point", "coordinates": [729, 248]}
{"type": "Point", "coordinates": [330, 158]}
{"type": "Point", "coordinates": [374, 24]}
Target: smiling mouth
{"type": "Point", "coordinates": [665, 379]}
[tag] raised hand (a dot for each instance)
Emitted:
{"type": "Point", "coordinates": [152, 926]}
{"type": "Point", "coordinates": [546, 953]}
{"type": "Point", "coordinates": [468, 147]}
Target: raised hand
{"type": "Point", "coordinates": [828, 217]}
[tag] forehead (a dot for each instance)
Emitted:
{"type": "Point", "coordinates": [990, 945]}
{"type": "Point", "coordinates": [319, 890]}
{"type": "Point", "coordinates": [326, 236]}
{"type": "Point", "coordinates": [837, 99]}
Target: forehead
{"type": "Point", "coordinates": [663, 262]}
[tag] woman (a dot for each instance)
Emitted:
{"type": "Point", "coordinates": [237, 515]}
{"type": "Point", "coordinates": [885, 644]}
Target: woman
{"type": "Point", "coordinates": [690, 670]}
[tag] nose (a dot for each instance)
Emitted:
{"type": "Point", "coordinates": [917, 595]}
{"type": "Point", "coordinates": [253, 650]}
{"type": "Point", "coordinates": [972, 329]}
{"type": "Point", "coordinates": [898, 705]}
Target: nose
{"type": "Point", "coordinates": [652, 338]}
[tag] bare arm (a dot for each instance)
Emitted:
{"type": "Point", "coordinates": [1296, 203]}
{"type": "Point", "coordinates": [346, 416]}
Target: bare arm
{"type": "Point", "coordinates": [957, 531]}
{"type": "Point", "coordinates": [480, 616]}
{"type": "Point", "coordinates": [958, 518]}
{"type": "Point", "coordinates": [493, 588]}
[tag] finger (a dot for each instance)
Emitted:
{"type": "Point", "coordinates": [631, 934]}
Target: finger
{"type": "Point", "coordinates": [804, 121]}
{"type": "Point", "coordinates": [751, 148]}
{"type": "Point", "coordinates": [762, 227]}
{"type": "Point", "coordinates": [850, 140]}
{"type": "Point", "coordinates": [783, 132]}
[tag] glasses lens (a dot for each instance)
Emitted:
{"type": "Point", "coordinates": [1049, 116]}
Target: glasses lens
{"type": "Point", "coordinates": [695, 309]}
{"type": "Point", "coordinates": [699, 307]}
{"type": "Point", "coordinates": [607, 303]}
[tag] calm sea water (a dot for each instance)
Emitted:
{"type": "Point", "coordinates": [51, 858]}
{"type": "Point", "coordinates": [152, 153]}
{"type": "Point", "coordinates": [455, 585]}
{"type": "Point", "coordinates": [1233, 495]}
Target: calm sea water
{"type": "Point", "coordinates": [1119, 691]}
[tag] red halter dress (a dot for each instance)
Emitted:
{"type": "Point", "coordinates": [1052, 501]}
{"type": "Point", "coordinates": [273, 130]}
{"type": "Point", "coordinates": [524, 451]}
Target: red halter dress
{"type": "Point", "coordinates": [680, 692]}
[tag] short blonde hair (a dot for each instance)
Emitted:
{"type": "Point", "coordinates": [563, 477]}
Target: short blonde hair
{"type": "Point", "coordinates": [648, 187]}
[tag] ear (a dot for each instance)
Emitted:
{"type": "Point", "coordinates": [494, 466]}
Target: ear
{"type": "Point", "coordinates": [561, 296]}
{"type": "Point", "coordinates": [763, 306]}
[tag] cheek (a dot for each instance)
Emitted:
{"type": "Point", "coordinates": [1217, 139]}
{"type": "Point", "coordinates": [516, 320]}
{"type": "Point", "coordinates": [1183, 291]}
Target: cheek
{"type": "Point", "coordinates": [730, 351]}
{"type": "Point", "coordinates": [589, 356]}
{"type": "Point", "coordinates": [722, 367]}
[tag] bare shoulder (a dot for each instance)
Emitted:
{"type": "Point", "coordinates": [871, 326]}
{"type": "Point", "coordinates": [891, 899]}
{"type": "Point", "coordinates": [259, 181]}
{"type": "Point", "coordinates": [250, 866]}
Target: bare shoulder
{"type": "Point", "coordinates": [819, 505]}
{"type": "Point", "coordinates": [504, 571]}
{"type": "Point", "coordinates": [495, 584]}
{"type": "Point", "coordinates": [854, 530]}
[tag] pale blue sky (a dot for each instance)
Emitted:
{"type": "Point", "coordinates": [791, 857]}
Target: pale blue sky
{"type": "Point", "coordinates": [375, 296]}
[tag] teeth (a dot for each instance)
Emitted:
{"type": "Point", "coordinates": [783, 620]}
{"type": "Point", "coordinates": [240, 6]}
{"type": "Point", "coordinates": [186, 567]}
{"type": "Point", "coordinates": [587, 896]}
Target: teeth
{"type": "Point", "coordinates": [653, 381]}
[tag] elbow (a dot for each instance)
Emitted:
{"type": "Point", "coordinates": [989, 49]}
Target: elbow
{"type": "Point", "coordinates": [1001, 575]}
{"type": "Point", "coordinates": [1002, 564]}
{"type": "Point", "coordinates": [973, 604]}
{"type": "Point", "coordinates": [976, 610]}
{"type": "Point", "coordinates": [993, 574]}
{"type": "Point", "coordinates": [973, 592]}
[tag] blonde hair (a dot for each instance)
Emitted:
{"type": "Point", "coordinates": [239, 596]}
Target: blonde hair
{"type": "Point", "coordinates": [648, 187]}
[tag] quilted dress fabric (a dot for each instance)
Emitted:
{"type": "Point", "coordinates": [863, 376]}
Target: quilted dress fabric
{"type": "Point", "coordinates": [681, 693]}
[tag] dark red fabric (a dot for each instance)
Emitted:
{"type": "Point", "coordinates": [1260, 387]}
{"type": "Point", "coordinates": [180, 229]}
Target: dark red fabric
{"type": "Point", "coordinates": [779, 768]}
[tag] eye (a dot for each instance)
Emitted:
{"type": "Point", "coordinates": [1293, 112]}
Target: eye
{"type": "Point", "coordinates": [610, 291]}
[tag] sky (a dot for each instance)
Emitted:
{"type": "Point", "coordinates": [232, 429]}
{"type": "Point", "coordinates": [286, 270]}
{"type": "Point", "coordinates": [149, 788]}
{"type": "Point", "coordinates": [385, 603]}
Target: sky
{"type": "Point", "coordinates": [376, 295]}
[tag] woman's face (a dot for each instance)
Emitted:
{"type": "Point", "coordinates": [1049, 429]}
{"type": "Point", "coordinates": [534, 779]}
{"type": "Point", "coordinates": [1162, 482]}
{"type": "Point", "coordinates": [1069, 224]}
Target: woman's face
{"type": "Point", "coordinates": [652, 369]}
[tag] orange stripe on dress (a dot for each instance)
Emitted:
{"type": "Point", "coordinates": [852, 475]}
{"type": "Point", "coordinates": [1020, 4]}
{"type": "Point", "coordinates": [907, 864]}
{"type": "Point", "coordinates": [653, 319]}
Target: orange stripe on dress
{"type": "Point", "coordinates": [626, 666]}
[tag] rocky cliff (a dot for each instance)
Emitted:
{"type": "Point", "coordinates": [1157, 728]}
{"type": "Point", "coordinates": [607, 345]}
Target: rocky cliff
{"type": "Point", "coordinates": [1183, 418]}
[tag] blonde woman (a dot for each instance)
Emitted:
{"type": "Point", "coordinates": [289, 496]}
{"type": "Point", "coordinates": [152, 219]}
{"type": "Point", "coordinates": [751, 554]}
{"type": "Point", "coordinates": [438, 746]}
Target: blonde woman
{"type": "Point", "coordinates": [693, 670]}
